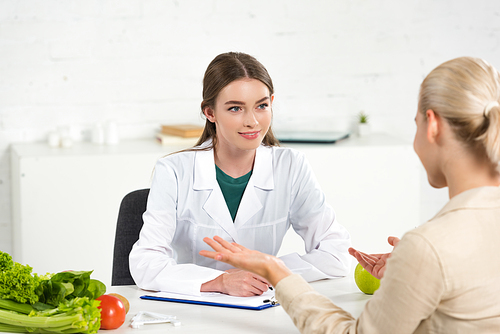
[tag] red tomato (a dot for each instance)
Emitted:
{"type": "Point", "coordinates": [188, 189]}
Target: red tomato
{"type": "Point", "coordinates": [112, 312]}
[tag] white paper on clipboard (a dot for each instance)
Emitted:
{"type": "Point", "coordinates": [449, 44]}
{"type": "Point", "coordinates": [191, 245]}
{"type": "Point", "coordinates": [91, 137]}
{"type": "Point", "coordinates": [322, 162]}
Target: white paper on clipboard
{"type": "Point", "coordinates": [263, 301]}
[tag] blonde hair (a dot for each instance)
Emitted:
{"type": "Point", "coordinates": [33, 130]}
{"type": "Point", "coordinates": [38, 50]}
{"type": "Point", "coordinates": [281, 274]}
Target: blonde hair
{"type": "Point", "coordinates": [466, 92]}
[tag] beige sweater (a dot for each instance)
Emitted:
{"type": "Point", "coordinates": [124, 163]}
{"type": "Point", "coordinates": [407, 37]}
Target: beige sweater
{"type": "Point", "coordinates": [443, 277]}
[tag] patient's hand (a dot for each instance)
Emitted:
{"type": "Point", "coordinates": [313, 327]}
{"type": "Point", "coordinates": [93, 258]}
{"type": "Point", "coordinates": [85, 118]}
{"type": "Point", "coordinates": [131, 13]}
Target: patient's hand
{"type": "Point", "coordinates": [375, 264]}
{"type": "Point", "coordinates": [266, 266]}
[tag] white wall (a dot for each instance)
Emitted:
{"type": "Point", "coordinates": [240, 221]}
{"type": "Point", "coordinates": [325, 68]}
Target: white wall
{"type": "Point", "coordinates": [141, 63]}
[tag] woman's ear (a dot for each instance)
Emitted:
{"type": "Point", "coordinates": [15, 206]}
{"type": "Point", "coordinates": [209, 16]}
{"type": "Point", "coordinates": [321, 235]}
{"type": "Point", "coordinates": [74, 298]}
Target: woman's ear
{"type": "Point", "coordinates": [209, 114]}
{"type": "Point", "coordinates": [433, 125]}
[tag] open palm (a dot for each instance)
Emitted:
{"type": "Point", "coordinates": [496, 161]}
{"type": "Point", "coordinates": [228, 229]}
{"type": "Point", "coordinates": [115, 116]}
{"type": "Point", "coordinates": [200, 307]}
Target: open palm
{"type": "Point", "coordinates": [267, 266]}
{"type": "Point", "coordinates": [375, 264]}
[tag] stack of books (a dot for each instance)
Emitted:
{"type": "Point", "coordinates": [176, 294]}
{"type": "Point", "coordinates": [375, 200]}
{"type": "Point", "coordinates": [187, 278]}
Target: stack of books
{"type": "Point", "coordinates": [183, 134]}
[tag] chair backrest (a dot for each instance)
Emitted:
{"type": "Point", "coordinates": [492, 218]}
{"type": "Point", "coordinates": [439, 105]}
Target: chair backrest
{"type": "Point", "coordinates": [128, 227]}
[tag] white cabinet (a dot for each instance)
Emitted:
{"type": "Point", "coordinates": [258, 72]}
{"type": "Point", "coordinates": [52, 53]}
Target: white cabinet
{"type": "Point", "coordinates": [66, 201]}
{"type": "Point", "coordinates": [373, 184]}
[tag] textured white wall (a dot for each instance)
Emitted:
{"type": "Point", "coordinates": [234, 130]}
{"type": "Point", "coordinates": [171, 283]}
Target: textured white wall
{"type": "Point", "coordinates": [75, 63]}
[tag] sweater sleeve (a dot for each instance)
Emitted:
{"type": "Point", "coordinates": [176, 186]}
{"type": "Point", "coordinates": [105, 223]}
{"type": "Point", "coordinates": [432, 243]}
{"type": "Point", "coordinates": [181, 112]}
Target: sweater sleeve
{"type": "Point", "coordinates": [310, 311]}
{"type": "Point", "coordinates": [410, 291]}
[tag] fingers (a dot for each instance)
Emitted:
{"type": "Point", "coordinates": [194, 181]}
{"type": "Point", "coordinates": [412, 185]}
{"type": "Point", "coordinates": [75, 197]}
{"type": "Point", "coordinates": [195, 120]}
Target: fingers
{"type": "Point", "coordinates": [262, 279]}
{"type": "Point", "coordinates": [375, 264]}
{"type": "Point", "coordinates": [357, 254]}
{"type": "Point", "coordinates": [363, 258]}
{"type": "Point", "coordinates": [381, 272]}
{"type": "Point", "coordinates": [352, 251]}
{"type": "Point", "coordinates": [243, 283]}
{"type": "Point", "coordinates": [215, 245]}
{"type": "Point", "coordinates": [393, 241]}
{"type": "Point", "coordinates": [224, 250]}
{"type": "Point", "coordinates": [258, 286]}
{"type": "Point", "coordinates": [220, 244]}
{"type": "Point", "coordinates": [363, 262]}
{"type": "Point", "coordinates": [209, 254]}
{"type": "Point", "coordinates": [224, 243]}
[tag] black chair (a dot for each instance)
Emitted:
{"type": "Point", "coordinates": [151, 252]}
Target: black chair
{"type": "Point", "coordinates": [128, 227]}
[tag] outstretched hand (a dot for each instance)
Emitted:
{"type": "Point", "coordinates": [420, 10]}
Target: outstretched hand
{"type": "Point", "coordinates": [375, 264]}
{"type": "Point", "coordinates": [267, 266]}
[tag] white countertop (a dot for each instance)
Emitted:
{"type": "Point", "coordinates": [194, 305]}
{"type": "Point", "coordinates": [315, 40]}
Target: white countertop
{"type": "Point", "coordinates": [209, 319]}
{"type": "Point", "coordinates": [151, 146]}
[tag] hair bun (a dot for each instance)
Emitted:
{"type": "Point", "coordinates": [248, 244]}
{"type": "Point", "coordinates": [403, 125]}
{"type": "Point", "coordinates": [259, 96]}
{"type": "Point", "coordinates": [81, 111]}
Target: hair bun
{"type": "Point", "coordinates": [490, 106]}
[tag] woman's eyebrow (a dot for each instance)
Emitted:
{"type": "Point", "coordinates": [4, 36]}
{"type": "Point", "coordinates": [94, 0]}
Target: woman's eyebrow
{"type": "Point", "coordinates": [262, 99]}
{"type": "Point", "coordinates": [243, 103]}
{"type": "Point", "coordinates": [235, 102]}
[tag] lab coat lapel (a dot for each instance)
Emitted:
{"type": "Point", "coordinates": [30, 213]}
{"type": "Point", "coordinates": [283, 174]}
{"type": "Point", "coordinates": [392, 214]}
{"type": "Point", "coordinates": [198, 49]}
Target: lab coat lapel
{"type": "Point", "coordinates": [262, 179]}
{"type": "Point", "coordinates": [215, 205]}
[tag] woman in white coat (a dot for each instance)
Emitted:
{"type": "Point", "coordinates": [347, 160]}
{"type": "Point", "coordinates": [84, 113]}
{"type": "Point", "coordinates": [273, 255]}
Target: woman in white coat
{"type": "Point", "coordinates": [442, 277]}
{"type": "Point", "coordinates": [239, 184]}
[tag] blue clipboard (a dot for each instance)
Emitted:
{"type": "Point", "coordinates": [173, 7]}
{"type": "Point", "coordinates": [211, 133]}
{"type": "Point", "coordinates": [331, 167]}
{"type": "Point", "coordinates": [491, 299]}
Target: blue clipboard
{"type": "Point", "coordinates": [266, 302]}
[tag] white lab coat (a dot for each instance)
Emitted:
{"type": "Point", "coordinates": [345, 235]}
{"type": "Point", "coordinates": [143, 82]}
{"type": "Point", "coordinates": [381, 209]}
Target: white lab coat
{"type": "Point", "coordinates": [186, 204]}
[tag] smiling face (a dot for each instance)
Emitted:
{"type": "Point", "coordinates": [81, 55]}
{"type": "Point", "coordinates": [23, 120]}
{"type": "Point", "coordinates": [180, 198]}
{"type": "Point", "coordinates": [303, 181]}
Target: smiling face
{"type": "Point", "coordinates": [242, 115]}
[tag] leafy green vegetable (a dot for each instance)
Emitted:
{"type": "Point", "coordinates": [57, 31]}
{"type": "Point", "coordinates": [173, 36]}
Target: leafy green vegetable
{"type": "Point", "coordinates": [95, 289]}
{"type": "Point", "coordinates": [16, 281]}
{"type": "Point", "coordinates": [78, 315]}
{"type": "Point", "coordinates": [15, 306]}
{"type": "Point", "coordinates": [68, 285]}
{"type": "Point", "coordinates": [52, 303]}
{"type": "Point", "coordinates": [6, 262]}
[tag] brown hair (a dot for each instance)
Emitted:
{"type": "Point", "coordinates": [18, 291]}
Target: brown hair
{"type": "Point", "coordinates": [466, 92]}
{"type": "Point", "coordinates": [224, 69]}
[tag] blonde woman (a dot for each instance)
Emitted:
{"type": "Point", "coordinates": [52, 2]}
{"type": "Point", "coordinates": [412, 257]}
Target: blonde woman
{"type": "Point", "coordinates": [442, 277]}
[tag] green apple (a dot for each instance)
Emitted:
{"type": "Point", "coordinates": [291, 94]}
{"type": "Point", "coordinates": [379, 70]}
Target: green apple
{"type": "Point", "coordinates": [365, 281]}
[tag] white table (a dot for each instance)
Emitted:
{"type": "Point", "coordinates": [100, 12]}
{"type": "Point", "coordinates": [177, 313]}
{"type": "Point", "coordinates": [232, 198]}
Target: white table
{"type": "Point", "coordinates": [209, 319]}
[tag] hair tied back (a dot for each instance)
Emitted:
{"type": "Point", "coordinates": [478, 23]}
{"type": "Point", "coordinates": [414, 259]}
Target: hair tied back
{"type": "Point", "coordinates": [490, 106]}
